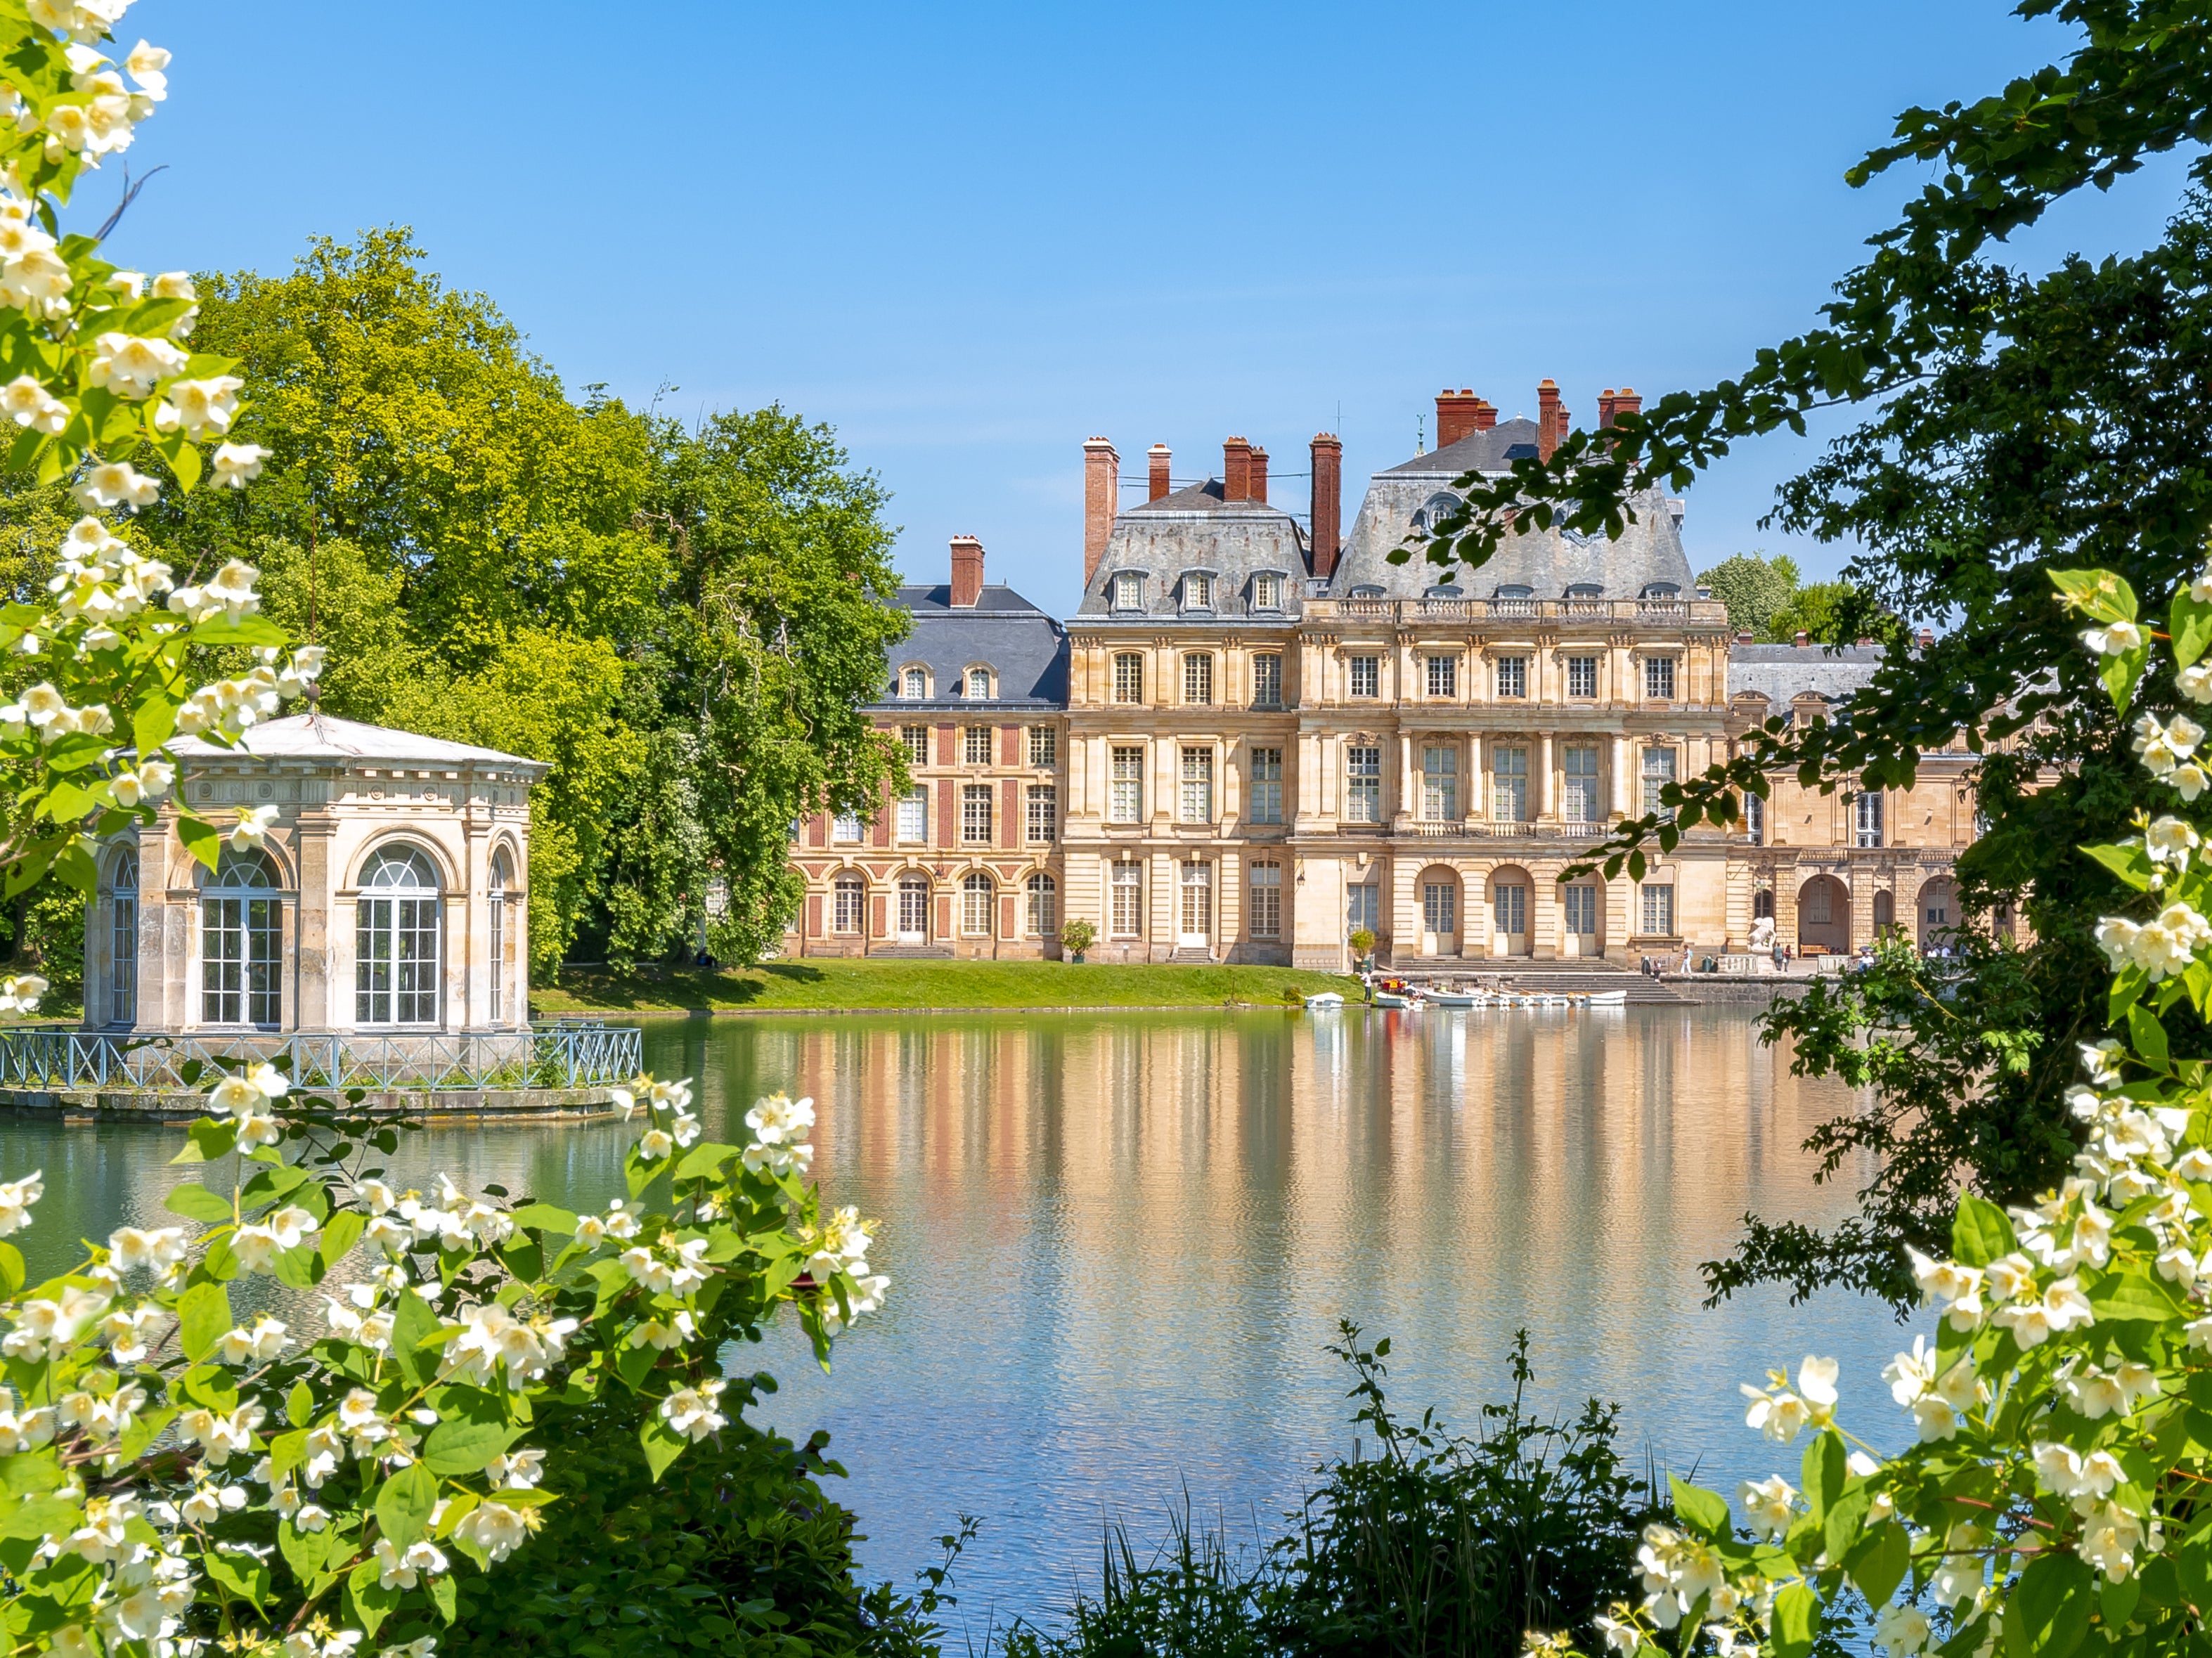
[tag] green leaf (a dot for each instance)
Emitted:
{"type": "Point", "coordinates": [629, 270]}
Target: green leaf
{"type": "Point", "coordinates": [2052, 1604]}
{"type": "Point", "coordinates": [340, 1233]}
{"type": "Point", "coordinates": [304, 1550]}
{"type": "Point", "coordinates": [2118, 1601]}
{"type": "Point", "coordinates": [2131, 863]}
{"type": "Point", "coordinates": [663, 1444]}
{"type": "Point", "coordinates": [444, 1596]}
{"type": "Point", "coordinates": [372, 1605]}
{"type": "Point", "coordinates": [1824, 1471]}
{"type": "Point", "coordinates": [288, 1451]}
{"type": "Point", "coordinates": [2148, 1036]}
{"type": "Point", "coordinates": [459, 1449]}
{"type": "Point", "coordinates": [300, 1406]}
{"type": "Point", "coordinates": [207, 1139]}
{"type": "Point", "coordinates": [240, 630]}
{"type": "Point", "coordinates": [704, 1159]}
{"type": "Point", "coordinates": [1844, 1522]}
{"type": "Point", "coordinates": [185, 463]}
{"type": "Point", "coordinates": [1706, 1512]}
{"type": "Point", "coordinates": [1797, 1613]}
{"type": "Point", "coordinates": [205, 1318]}
{"type": "Point", "coordinates": [403, 1505]}
{"type": "Point", "coordinates": [413, 1321]}
{"type": "Point", "coordinates": [11, 1269]}
{"type": "Point", "coordinates": [195, 1202]}
{"type": "Point", "coordinates": [546, 1218]}
{"type": "Point", "coordinates": [2098, 593]}
{"type": "Point", "coordinates": [1980, 1233]}
{"type": "Point", "coordinates": [242, 1575]}
{"type": "Point", "coordinates": [202, 838]}
{"type": "Point", "coordinates": [2121, 673]}
{"type": "Point", "coordinates": [2133, 1295]}
{"type": "Point", "coordinates": [35, 1516]}
{"type": "Point", "coordinates": [153, 724]}
{"type": "Point", "coordinates": [1878, 1564]}
{"type": "Point", "coordinates": [2190, 625]}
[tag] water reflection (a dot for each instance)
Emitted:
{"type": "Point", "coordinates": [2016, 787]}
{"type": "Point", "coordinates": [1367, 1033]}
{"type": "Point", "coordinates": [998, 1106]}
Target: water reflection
{"type": "Point", "coordinates": [1119, 1243]}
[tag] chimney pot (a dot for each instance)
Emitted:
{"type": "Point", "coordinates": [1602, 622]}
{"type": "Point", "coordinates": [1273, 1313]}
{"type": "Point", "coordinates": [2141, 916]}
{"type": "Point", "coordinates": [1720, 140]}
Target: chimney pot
{"type": "Point", "coordinates": [967, 571]}
{"type": "Point", "coordinates": [1102, 484]}
{"type": "Point", "coordinates": [1158, 456]}
{"type": "Point", "coordinates": [1485, 415]}
{"type": "Point", "coordinates": [1328, 501]}
{"type": "Point", "coordinates": [1458, 413]}
{"type": "Point", "coordinates": [1743, 636]}
{"type": "Point", "coordinates": [1927, 637]}
{"type": "Point", "coordinates": [1804, 639]}
{"type": "Point", "coordinates": [1236, 469]}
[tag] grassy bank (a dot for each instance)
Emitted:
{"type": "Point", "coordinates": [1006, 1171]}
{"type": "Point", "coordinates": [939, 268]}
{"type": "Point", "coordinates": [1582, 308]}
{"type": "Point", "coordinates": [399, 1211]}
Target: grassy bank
{"type": "Point", "coordinates": [833, 983]}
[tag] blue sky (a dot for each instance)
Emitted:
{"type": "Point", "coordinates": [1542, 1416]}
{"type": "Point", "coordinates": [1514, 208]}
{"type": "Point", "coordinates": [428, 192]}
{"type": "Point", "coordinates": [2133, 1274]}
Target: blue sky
{"type": "Point", "coordinates": [969, 237]}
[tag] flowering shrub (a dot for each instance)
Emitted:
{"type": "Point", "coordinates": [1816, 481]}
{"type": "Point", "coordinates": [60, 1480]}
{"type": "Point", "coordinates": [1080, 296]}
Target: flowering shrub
{"type": "Point", "coordinates": [2061, 1415]}
{"type": "Point", "coordinates": [173, 1468]}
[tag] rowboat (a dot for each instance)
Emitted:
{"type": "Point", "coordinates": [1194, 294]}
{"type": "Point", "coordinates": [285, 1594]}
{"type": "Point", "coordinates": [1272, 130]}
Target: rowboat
{"type": "Point", "coordinates": [1607, 998]}
{"type": "Point", "coordinates": [1385, 999]}
{"type": "Point", "coordinates": [1458, 999]}
{"type": "Point", "coordinates": [1326, 998]}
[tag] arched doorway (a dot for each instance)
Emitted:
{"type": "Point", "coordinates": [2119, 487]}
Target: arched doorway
{"type": "Point", "coordinates": [1440, 911]}
{"type": "Point", "coordinates": [1824, 916]}
{"type": "Point", "coordinates": [398, 930]}
{"type": "Point", "coordinates": [1937, 913]}
{"type": "Point", "coordinates": [1885, 915]}
{"type": "Point", "coordinates": [242, 943]}
{"type": "Point", "coordinates": [1582, 919]}
{"type": "Point", "coordinates": [1510, 895]}
{"type": "Point", "coordinates": [913, 909]}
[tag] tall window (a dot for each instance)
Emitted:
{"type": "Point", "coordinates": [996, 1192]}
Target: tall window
{"type": "Point", "coordinates": [845, 828]}
{"type": "Point", "coordinates": [1044, 746]}
{"type": "Point", "coordinates": [1754, 819]}
{"type": "Point", "coordinates": [1128, 920]}
{"type": "Point", "coordinates": [1198, 592]}
{"type": "Point", "coordinates": [396, 935]}
{"type": "Point", "coordinates": [1508, 785]}
{"type": "Point", "coordinates": [1366, 675]}
{"type": "Point", "coordinates": [975, 814]}
{"type": "Point", "coordinates": [1197, 900]}
{"type": "Point", "coordinates": [1512, 675]}
{"type": "Point", "coordinates": [503, 918]}
{"type": "Point", "coordinates": [916, 738]}
{"type": "Point", "coordinates": [1264, 796]}
{"type": "Point", "coordinates": [979, 683]}
{"type": "Point", "coordinates": [1198, 786]}
{"type": "Point", "coordinates": [1439, 908]}
{"type": "Point", "coordinates": [1578, 761]}
{"type": "Point", "coordinates": [975, 905]}
{"type": "Point", "coordinates": [1198, 677]}
{"type": "Point", "coordinates": [1267, 908]}
{"type": "Point", "coordinates": [1869, 820]}
{"type": "Point", "coordinates": [976, 745]}
{"type": "Point", "coordinates": [1128, 592]}
{"type": "Point", "coordinates": [1126, 802]}
{"type": "Point", "coordinates": [849, 905]}
{"type": "Point", "coordinates": [1363, 783]}
{"type": "Point", "coordinates": [1267, 592]}
{"type": "Point", "coordinates": [1659, 910]}
{"type": "Point", "coordinates": [1362, 909]}
{"type": "Point", "coordinates": [1582, 909]}
{"type": "Point", "coordinates": [913, 906]}
{"type": "Point", "coordinates": [1267, 680]}
{"type": "Point", "coordinates": [914, 815]}
{"type": "Point", "coordinates": [241, 944]}
{"type": "Point", "coordinates": [122, 941]}
{"type": "Point", "coordinates": [1444, 676]}
{"type": "Point", "coordinates": [1129, 677]}
{"type": "Point", "coordinates": [1581, 675]}
{"type": "Point", "coordinates": [1042, 823]}
{"type": "Point", "coordinates": [1659, 678]}
{"type": "Point", "coordinates": [1509, 903]}
{"type": "Point", "coordinates": [1439, 783]}
{"type": "Point", "coordinates": [1658, 772]}
{"type": "Point", "coordinates": [917, 683]}
{"type": "Point", "coordinates": [1044, 906]}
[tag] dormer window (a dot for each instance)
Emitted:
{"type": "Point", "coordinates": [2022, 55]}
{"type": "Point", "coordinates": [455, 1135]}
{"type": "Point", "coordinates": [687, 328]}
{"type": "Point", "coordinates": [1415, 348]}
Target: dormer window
{"type": "Point", "coordinates": [1436, 508]}
{"type": "Point", "coordinates": [1515, 591]}
{"type": "Point", "coordinates": [1128, 592]}
{"type": "Point", "coordinates": [1197, 592]}
{"type": "Point", "coordinates": [1364, 592]}
{"type": "Point", "coordinates": [1661, 590]}
{"type": "Point", "coordinates": [1446, 590]}
{"type": "Point", "coordinates": [979, 682]}
{"type": "Point", "coordinates": [915, 684]}
{"type": "Point", "coordinates": [1585, 590]}
{"type": "Point", "coordinates": [1267, 592]}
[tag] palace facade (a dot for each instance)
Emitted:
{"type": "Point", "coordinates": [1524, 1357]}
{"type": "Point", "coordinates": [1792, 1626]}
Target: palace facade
{"type": "Point", "coordinates": [1257, 735]}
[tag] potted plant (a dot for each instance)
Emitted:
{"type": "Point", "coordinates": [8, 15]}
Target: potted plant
{"type": "Point", "coordinates": [1363, 950]}
{"type": "Point", "coordinates": [1077, 936]}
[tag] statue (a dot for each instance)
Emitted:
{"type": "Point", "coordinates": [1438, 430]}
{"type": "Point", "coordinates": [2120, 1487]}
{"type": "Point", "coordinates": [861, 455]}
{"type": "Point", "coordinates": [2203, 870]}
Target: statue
{"type": "Point", "coordinates": [1762, 934]}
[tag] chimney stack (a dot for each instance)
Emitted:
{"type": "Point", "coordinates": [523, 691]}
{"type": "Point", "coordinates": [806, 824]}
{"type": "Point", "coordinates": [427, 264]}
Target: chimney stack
{"type": "Point", "coordinates": [1926, 638]}
{"type": "Point", "coordinates": [1236, 469]}
{"type": "Point", "coordinates": [1100, 500]}
{"type": "Point", "coordinates": [1257, 490]}
{"type": "Point", "coordinates": [1158, 456]}
{"type": "Point", "coordinates": [1744, 637]}
{"type": "Point", "coordinates": [1803, 639]}
{"type": "Point", "coordinates": [1547, 418]}
{"type": "Point", "coordinates": [1629, 401]}
{"type": "Point", "coordinates": [1605, 407]}
{"type": "Point", "coordinates": [1459, 413]}
{"type": "Point", "coordinates": [967, 572]}
{"type": "Point", "coordinates": [1328, 501]}
{"type": "Point", "coordinates": [1485, 414]}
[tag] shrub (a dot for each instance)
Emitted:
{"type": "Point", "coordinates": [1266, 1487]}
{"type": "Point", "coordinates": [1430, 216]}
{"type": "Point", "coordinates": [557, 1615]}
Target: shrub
{"type": "Point", "coordinates": [1078, 936]}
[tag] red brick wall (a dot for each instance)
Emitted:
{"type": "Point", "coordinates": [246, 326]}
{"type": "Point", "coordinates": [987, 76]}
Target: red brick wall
{"type": "Point", "coordinates": [1011, 832]}
{"type": "Point", "coordinates": [948, 812]}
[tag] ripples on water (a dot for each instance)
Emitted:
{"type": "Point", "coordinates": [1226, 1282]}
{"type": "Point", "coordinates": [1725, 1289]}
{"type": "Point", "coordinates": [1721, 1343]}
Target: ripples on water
{"type": "Point", "coordinates": [1119, 1243]}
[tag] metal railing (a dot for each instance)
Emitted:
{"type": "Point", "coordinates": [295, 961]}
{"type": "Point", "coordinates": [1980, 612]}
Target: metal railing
{"type": "Point", "coordinates": [568, 1054]}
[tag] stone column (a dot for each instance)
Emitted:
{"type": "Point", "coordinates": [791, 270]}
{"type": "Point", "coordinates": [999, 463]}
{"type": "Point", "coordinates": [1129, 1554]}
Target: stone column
{"type": "Point", "coordinates": [1544, 809]}
{"type": "Point", "coordinates": [1620, 779]}
{"type": "Point", "coordinates": [1408, 801]}
{"type": "Point", "coordinates": [1477, 803]}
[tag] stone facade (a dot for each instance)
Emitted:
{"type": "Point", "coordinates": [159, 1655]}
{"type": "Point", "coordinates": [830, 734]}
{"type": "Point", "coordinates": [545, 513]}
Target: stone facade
{"type": "Point", "coordinates": [390, 896]}
{"type": "Point", "coordinates": [1250, 746]}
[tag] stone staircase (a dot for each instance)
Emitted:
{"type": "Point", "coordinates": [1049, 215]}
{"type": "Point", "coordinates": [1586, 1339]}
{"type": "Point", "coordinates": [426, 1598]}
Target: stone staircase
{"type": "Point", "coordinates": [1552, 977]}
{"type": "Point", "coordinates": [913, 952]}
{"type": "Point", "coordinates": [1192, 955]}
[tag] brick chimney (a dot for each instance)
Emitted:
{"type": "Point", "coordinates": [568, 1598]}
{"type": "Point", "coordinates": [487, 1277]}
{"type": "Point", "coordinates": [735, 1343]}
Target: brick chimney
{"type": "Point", "coordinates": [1605, 407]}
{"type": "Point", "coordinates": [1547, 418]}
{"type": "Point", "coordinates": [1159, 457]}
{"type": "Point", "coordinates": [967, 572]}
{"type": "Point", "coordinates": [1485, 415]}
{"type": "Point", "coordinates": [1629, 401]}
{"type": "Point", "coordinates": [1459, 413]}
{"type": "Point", "coordinates": [1236, 469]}
{"type": "Point", "coordinates": [1100, 500]}
{"type": "Point", "coordinates": [1328, 501]}
{"type": "Point", "coordinates": [1803, 639]}
{"type": "Point", "coordinates": [1258, 490]}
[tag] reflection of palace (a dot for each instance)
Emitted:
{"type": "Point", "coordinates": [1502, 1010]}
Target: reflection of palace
{"type": "Point", "coordinates": [1257, 735]}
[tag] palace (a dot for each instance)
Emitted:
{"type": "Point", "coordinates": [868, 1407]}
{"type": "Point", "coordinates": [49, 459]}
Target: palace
{"type": "Point", "coordinates": [1257, 735]}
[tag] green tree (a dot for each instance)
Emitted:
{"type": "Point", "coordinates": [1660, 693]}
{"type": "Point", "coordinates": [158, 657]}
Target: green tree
{"type": "Point", "coordinates": [1754, 587]}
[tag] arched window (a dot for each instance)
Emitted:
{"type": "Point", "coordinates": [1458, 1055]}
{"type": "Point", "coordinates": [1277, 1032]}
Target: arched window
{"type": "Point", "coordinates": [241, 943]}
{"type": "Point", "coordinates": [1365, 590]}
{"type": "Point", "coordinates": [1667, 590]}
{"type": "Point", "coordinates": [850, 896]}
{"type": "Point", "coordinates": [1585, 590]}
{"type": "Point", "coordinates": [123, 936]}
{"type": "Point", "coordinates": [979, 682]}
{"type": "Point", "coordinates": [396, 935]}
{"type": "Point", "coordinates": [1435, 508]}
{"type": "Point", "coordinates": [502, 932]}
{"type": "Point", "coordinates": [1515, 590]}
{"type": "Point", "coordinates": [1044, 907]}
{"type": "Point", "coordinates": [975, 895]}
{"type": "Point", "coordinates": [1445, 590]}
{"type": "Point", "coordinates": [917, 683]}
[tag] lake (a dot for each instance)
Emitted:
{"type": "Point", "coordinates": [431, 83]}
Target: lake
{"type": "Point", "coordinates": [1119, 1243]}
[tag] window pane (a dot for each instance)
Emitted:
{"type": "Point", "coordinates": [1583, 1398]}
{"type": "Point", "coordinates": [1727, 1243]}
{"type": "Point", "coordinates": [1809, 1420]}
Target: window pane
{"type": "Point", "coordinates": [1198, 678]}
{"type": "Point", "coordinates": [1198, 786]}
{"type": "Point", "coordinates": [1267, 906]}
{"type": "Point", "coordinates": [1659, 677]}
{"type": "Point", "coordinates": [1513, 675]}
{"type": "Point", "coordinates": [1508, 785]}
{"type": "Point", "coordinates": [1128, 803]}
{"type": "Point", "coordinates": [1366, 676]}
{"type": "Point", "coordinates": [1044, 746]}
{"type": "Point", "coordinates": [1043, 824]}
{"type": "Point", "coordinates": [1129, 677]}
{"type": "Point", "coordinates": [1266, 804]}
{"type": "Point", "coordinates": [1128, 900]}
{"type": "Point", "coordinates": [1364, 781]}
{"type": "Point", "coordinates": [1267, 681]}
{"type": "Point", "coordinates": [975, 814]}
{"type": "Point", "coordinates": [1581, 675]}
{"type": "Point", "coordinates": [123, 981]}
{"type": "Point", "coordinates": [916, 738]}
{"type": "Point", "coordinates": [1658, 772]}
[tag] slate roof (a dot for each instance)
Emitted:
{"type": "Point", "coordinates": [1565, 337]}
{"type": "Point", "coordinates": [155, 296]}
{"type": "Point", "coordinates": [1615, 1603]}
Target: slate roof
{"type": "Point", "coordinates": [1025, 650]}
{"type": "Point", "coordinates": [1196, 529]}
{"type": "Point", "coordinates": [1547, 561]}
{"type": "Point", "coordinates": [322, 736]}
{"type": "Point", "coordinates": [1782, 672]}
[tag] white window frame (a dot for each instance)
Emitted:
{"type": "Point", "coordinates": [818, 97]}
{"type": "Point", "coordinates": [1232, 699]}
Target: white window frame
{"type": "Point", "coordinates": [1126, 919]}
{"type": "Point", "coordinates": [1125, 801]}
{"type": "Point", "coordinates": [1265, 916]}
{"type": "Point", "coordinates": [1363, 676]}
{"type": "Point", "coordinates": [1363, 783]}
{"type": "Point", "coordinates": [1197, 778]}
{"type": "Point", "coordinates": [848, 904]}
{"type": "Point", "coordinates": [1582, 677]}
{"type": "Point", "coordinates": [1263, 786]}
{"type": "Point", "coordinates": [975, 814]}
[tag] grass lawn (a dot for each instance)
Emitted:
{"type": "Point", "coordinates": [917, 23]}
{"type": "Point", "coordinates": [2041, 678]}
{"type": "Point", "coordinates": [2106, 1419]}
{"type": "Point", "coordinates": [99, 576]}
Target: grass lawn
{"type": "Point", "coordinates": [832, 982]}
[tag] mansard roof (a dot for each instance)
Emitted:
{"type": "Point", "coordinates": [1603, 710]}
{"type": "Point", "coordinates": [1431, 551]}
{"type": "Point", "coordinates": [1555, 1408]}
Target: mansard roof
{"type": "Point", "coordinates": [1782, 673]}
{"type": "Point", "coordinates": [1025, 650]}
{"type": "Point", "coordinates": [1197, 529]}
{"type": "Point", "coordinates": [325, 738]}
